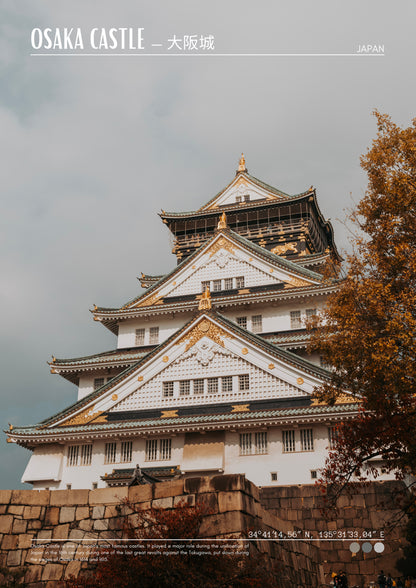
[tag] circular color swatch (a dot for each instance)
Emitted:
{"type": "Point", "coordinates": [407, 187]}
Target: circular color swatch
{"type": "Point", "coordinates": [366, 547]}
{"type": "Point", "coordinates": [355, 547]}
{"type": "Point", "coordinates": [379, 547]}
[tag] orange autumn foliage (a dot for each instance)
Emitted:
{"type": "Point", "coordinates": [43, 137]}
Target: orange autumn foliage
{"type": "Point", "coordinates": [368, 331]}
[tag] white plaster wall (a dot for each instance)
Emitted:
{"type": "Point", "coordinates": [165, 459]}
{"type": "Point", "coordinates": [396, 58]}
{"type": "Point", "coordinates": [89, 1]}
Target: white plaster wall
{"type": "Point", "coordinates": [168, 325]}
{"type": "Point", "coordinates": [276, 316]}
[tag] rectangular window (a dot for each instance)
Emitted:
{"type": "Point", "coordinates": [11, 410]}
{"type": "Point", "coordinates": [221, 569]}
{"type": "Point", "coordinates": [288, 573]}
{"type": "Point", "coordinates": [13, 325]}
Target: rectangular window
{"type": "Point", "coordinates": [288, 441]}
{"type": "Point", "coordinates": [86, 454]}
{"type": "Point", "coordinates": [165, 448]}
{"type": "Point", "coordinates": [314, 474]}
{"type": "Point", "coordinates": [306, 439]}
{"type": "Point", "coordinates": [212, 385]}
{"type": "Point", "coordinates": [198, 386]}
{"type": "Point", "coordinates": [244, 382]}
{"type": "Point", "coordinates": [110, 453]}
{"type": "Point", "coordinates": [295, 319]}
{"type": "Point", "coordinates": [73, 451]}
{"type": "Point", "coordinates": [167, 389]}
{"type": "Point", "coordinates": [273, 476]}
{"type": "Point", "coordinates": [238, 198]}
{"type": "Point", "coordinates": [184, 387]}
{"type": "Point", "coordinates": [151, 449]}
{"type": "Point", "coordinates": [98, 382]}
{"type": "Point", "coordinates": [242, 321]}
{"type": "Point", "coordinates": [257, 323]}
{"type": "Point", "coordinates": [260, 440]}
{"type": "Point", "coordinates": [310, 313]}
{"type": "Point", "coordinates": [239, 282]}
{"type": "Point", "coordinates": [126, 451]}
{"type": "Point", "coordinates": [245, 444]}
{"type": "Point", "coordinates": [158, 449]}
{"type": "Point", "coordinates": [216, 285]}
{"type": "Point", "coordinates": [228, 284]}
{"type": "Point", "coordinates": [246, 197]}
{"type": "Point", "coordinates": [205, 285]}
{"type": "Point", "coordinates": [154, 335]}
{"type": "Point", "coordinates": [140, 333]}
{"type": "Point", "coordinates": [227, 384]}
{"type": "Point", "coordinates": [332, 437]}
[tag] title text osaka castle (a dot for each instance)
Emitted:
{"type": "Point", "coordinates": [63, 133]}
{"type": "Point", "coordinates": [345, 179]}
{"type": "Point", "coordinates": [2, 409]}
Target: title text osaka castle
{"type": "Point", "coordinates": [210, 374]}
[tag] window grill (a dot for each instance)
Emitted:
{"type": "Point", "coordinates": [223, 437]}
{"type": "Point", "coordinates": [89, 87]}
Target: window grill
{"type": "Point", "coordinates": [212, 385]}
{"type": "Point", "coordinates": [257, 323]}
{"type": "Point", "coordinates": [140, 334]}
{"type": "Point", "coordinates": [110, 453]}
{"type": "Point", "coordinates": [184, 387]}
{"type": "Point", "coordinates": [86, 454]}
{"type": "Point", "coordinates": [306, 439]}
{"type": "Point", "coordinates": [154, 335]}
{"type": "Point", "coordinates": [126, 451]}
{"type": "Point", "coordinates": [242, 321]}
{"type": "Point", "coordinates": [167, 389]}
{"type": "Point", "coordinates": [289, 441]}
{"type": "Point", "coordinates": [227, 384]}
{"type": "Point", "coordinates": [199, 386]}
{"type": "Point", "coordinates": [244, 382]}
{"type": "Point", "coordinates": [295, 319]}
{"type": "Point", "coordinates": [73, 451]}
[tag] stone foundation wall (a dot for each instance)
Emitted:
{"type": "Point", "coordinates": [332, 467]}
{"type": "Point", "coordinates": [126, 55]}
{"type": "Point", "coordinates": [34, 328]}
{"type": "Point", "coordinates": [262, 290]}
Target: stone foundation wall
{"type": "Point", "coordinates": [67, 517]}
{"type": "Point", "coordinates": [371, 508]}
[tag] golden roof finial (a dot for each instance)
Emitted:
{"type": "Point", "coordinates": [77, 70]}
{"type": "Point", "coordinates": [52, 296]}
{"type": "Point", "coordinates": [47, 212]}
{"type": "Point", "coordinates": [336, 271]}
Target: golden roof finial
{"type": "Point", "coordinates": [242, 164]}
{"type": "Point", "coordinates": [205, 300]}
{"type": "Point", "coordinates": [222, 223]}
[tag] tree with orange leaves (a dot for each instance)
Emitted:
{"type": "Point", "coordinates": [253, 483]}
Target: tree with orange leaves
{"type": "Point", "coordinates": [368, 331]}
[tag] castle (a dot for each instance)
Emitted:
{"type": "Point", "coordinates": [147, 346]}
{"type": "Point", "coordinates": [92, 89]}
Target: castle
{"type": "Point", "coordinates": [211, 372]}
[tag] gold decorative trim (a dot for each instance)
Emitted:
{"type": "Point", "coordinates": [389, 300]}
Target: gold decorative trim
{"type": "Point", "coordinates": [244, 291]}
{"type": "Point", "coordinates": [140, 378]}
{"type": "Point", "coordinates": [114, 397]}
{"type": "Point", "coordinates": [341, 399]}
{"type": "Point", "coordinates": [281, 249]}
{"type": "Point", "coordinates": [300, 381]}
{"type": "Point", "coordinates": [167, 414]}
{"type": "Point", "coordinates": [205, 300]}
{"type": "Point", "coordinates": [165, 359]}
{"type": "Point", "coordinates": [240, 408]}
{"type": "Point", "coordinates": [155, 299]}
{"type": "Point", "coordinates": [295, 283]}
{"type": "Point", "coordinates": [222, 243]}
{"type": "Point", "coordinates": [244, 351]}
{"type": "Point", "coordinates": [271, 366]}
{"type": "Point", "coordinates": [204, 328]}
{"type": "Point", "coordinates": [82, 419]}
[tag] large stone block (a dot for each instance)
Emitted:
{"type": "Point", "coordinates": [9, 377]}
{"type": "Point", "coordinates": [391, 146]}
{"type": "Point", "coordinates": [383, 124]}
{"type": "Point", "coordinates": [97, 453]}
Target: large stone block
{"type": "Point", "coordinates": [222, 524]}
{"type": "Point", "coordinates": [31, 512]}
{"type": "Point", "coordinates": [25, 541]}
{"type": "Point", "coordinates": [72, 569]}
{"type": "Point", "coordinates": [100, 525]}
{"type": "Point", "coordinates": [165, 489]}
{"type": "Point", "coordinates": [140, 493]}
{"type": "Point", "coordinates": [52, 515]}
{"type": "Point", "coordinates": [9, 542]}
{"type": "Point", "coordinates": [31, 497]}
{"type": "Point", "coordinates": [19, 526]}
{"type": "Point", "coordinates": [163, 502]}
{"type": "Point", "coordinates": [5, 496]}
{"type": "Point", "coordinates": [208, 501]}
{"type": "Point", "coordinates": [52, 571]}
{"type": "Point", "coordinates": [82, 512]}
{"type": "Point", "coordinates": [188, 499]}
{"type": "Point", "coordinates": [107, 496]}
{"type": "Point", "coordinates": [69, 497]}
{"type": "Point", "coordinates": [33, 574]}
{"type": "Point", "coordinates": [15, 509]}
{"type": "Point", "coordinates": [61, 532]}
{"type": "Point", "coordinates": [6, 523]}
{"type": "Point", "coordinates": [98, 512]}
{"type": "Point", "coordinates": [67, 514]}
{"type": "Point", "coordinates": [14, 557]}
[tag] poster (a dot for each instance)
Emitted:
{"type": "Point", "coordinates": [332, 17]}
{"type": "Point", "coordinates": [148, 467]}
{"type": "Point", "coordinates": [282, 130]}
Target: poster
{"type": "Point", "coordinates": [110, 114]}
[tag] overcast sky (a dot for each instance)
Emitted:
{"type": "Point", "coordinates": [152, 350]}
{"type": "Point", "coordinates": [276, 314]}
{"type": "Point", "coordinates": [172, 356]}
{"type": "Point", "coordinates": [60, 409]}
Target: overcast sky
{"type": "Point", "coordinates": [92, 148]}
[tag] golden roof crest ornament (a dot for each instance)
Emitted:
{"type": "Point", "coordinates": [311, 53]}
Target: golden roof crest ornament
{"type": "Point", "coordinates": [242, 164]}
{"type": "Point", "coordinates": [222, 223]}
{"type": "Point", "coordinates": [205, 300]}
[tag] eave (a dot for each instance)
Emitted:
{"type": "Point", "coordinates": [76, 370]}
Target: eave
{"type": "Point", "coordinates": [110, 317]}
{"type": "Point", "coordinates": [31, 437]}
